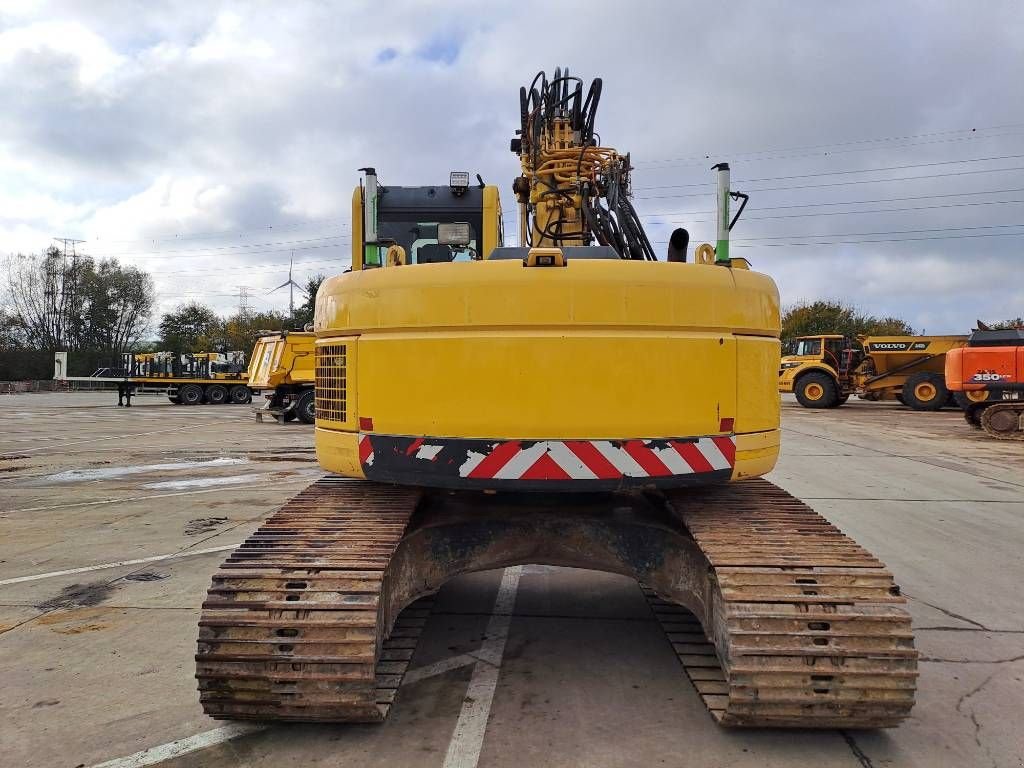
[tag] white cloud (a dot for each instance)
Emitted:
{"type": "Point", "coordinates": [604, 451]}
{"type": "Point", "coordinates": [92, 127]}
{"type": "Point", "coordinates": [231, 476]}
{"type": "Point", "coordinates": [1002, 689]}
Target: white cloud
{"type": "Point", "coordinates": [93, 57]}
{"type": "Point", "coordinates": [143, 130]}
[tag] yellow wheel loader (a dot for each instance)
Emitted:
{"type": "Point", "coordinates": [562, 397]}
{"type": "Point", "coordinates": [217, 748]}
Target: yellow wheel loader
{"type": "Point", "coordinates": [570, 401]}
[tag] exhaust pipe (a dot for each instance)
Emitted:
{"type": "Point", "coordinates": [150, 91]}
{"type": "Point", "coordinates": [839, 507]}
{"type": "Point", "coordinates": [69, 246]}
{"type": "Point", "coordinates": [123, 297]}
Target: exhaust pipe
{"type": "Point", "coordinates": [722, 241]}
{"type": "Point", "coordinates": [677, 245]}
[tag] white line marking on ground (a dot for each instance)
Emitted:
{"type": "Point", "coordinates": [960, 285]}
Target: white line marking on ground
{"type": "Point", "coordinates": [203, 482]}
{"type": "Point", "coordinates": [172, 749]}
{"type": "Point", "coordinates": [120, 564]}
{"type": "Point", "coordinates": [468, 737]}
{"type": "Point", "coordinates": [121, 437]}
{"type": "Point", "coordinates": [438, 668]}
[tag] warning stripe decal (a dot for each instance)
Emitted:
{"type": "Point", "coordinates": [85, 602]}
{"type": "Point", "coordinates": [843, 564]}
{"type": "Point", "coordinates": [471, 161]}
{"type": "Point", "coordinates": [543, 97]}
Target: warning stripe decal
{"type": "Point", "coordinates": [552, 460]}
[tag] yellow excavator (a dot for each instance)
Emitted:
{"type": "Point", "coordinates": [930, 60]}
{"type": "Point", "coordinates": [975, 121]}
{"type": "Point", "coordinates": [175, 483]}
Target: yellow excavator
{"type": "Point", "coordinates": [570, 401]}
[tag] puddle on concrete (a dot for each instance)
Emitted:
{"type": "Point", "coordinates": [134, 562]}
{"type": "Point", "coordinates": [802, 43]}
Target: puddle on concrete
{"type": "Point", "coordinates": [145, 576]}
{"type": "Point", "coordinates": [78, 596]}
{"type": "Point", "coordinates": [204, 482]}
{"type": "Point", "coordinates": [285, 458]}
{"type": "Point", "coordinates": [203, 525]}
{"type": "Point", "coordinates": [207, 482]}
{"type": "Point", "coordinates": [109, 473]}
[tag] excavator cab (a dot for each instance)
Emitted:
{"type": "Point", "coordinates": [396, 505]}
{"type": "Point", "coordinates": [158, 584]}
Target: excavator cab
{"type": "Point", "coordinates": [431, 224]}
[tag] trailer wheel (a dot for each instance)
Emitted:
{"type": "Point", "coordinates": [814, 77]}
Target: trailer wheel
{"type": "Point", "coordinates": [190, 394]}
{"type": "Point", "coordinates": [174, 399]}
{"type": "Point", "coordinates": [240, 394]}
{"type": "Point", "coordinates": [925, 391]}
{"type": "Point", "coordinates": [216, 394]}
{"type": "Point", "coordinates": [306, 407]}
{"type": "Point", "coordinates": [816, 390]}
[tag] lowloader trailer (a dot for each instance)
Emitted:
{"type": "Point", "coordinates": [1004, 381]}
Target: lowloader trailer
{"type": "Point", "coordinates": [205, 377]}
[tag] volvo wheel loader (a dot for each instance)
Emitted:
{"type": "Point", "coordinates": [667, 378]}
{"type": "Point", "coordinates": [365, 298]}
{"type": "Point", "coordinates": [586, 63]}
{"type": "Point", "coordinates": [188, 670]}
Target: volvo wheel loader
{"type": "Point", "coordinates": [570, 401]}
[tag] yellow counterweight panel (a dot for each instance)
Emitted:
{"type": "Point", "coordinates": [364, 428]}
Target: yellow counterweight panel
{"type": "Point", "coordinates": [595, 293]}
{"type": "Point", "coordinates": [599, 349]}
{"type": "Point", "coordinates": [338, 451]}
{"type": "Point", "coordinates": [756, 453]}
{"type": "Point", "coordinates": [757, 400]}
{"type": "Point", "coordinates": [538, 385]}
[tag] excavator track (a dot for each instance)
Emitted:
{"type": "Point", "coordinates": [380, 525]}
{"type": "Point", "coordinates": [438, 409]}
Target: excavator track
{"type": "Point", "coordinates": [805, 627]}
{"type": "Point", "coordinates": [293, 627]}
{"type": "Point", "coordinates": [1004, 421]}
{"type": "Point", "coordinates": [787, 622]}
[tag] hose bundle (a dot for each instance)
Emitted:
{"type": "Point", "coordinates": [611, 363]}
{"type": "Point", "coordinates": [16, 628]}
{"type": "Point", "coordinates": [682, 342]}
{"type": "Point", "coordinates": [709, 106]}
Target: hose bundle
{"type": "Point", "coordinates": [586, 187]}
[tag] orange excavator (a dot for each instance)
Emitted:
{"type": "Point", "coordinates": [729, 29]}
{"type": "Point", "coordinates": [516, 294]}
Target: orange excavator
{"type": "Point", "coordinates": [990, 373]}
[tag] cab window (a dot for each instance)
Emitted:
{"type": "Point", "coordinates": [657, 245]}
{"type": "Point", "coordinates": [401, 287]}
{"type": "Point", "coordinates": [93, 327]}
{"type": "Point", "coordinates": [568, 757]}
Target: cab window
{"type": "Point", "coordinates": [419, 238]}
{"type": "Point", "coordinates": [808, 347]}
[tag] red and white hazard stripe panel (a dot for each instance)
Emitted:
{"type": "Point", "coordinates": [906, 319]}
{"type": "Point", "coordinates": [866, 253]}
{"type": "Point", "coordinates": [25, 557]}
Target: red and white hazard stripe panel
{"type": "Point", "coordinates": [578, 459]}
{"type": "Point", "coordinates": [365, 450]}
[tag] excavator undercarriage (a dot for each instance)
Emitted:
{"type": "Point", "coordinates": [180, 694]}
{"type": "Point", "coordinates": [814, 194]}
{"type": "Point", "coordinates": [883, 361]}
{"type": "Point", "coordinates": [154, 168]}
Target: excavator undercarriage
{"type": "Point", "coordinates": [776, 616]}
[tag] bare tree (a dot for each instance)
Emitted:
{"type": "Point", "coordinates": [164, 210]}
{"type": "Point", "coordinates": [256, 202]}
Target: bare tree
{"type": "Point", "coordinates": [36, 292]}
{"type": "Point", "coordinates": [70, 303]}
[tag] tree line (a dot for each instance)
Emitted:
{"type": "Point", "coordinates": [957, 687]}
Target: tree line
{"type": "Point", "coordinates": [99, 309]}
{"type": "Point", "coordinates": [830, 316]}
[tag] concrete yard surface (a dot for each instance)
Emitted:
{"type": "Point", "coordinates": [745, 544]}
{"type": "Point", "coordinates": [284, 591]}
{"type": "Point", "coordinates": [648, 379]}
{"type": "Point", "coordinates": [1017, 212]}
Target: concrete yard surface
{"type": "Point", "coordinates": [112, 521]}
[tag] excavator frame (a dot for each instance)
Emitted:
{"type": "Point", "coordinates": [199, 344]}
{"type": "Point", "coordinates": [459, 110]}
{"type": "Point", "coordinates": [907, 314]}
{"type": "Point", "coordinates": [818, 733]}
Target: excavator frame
{"type": "Point", "coordinates": [525, 441]}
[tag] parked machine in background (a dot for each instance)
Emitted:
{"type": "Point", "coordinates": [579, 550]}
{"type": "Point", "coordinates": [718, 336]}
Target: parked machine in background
{"type": "Point", "coordinates": [823, 371]}
{"type": "Point", "coordinates": [186, 379]}
{"type": "Point", "coordinates": [989, 372]}
{"type": "Point", "coordinates": [282, 367]}
{"type": "Point", "coordinates": [189, 379]}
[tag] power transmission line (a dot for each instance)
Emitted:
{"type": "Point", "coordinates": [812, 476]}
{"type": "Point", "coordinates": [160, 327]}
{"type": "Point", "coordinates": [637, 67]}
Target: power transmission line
{"type": "Point", "coordinates": [838, 213]}
{"type": "Point", "coordinates": [218, 249]}
{"type": "Point", "coordinates": [221, 233]}
{"type": "Point", "coordinates": [836, 148]}
{"type": "Point", "coordinates": [844, 183]}
{"type": "Point", "coordinates": [891, 232]}
{"type": "Point", "coordinates": [843, 172]}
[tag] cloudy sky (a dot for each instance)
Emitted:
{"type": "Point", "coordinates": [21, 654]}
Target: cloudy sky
{"type": "Point", "coordinates": [882, 142]}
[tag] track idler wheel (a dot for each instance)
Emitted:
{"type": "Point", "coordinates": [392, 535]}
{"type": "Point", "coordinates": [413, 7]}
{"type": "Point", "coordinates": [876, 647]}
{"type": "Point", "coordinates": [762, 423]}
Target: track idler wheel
{"type": "Point", "coordinates": [1004, 421]}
